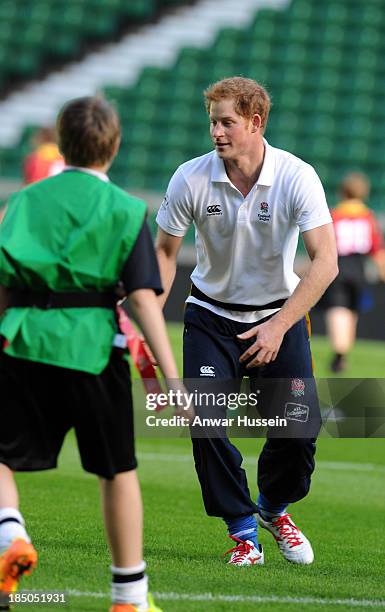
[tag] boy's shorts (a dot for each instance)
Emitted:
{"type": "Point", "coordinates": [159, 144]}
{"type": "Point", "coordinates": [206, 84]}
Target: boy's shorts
{"type": "Point", "coordinates": [40, 403]}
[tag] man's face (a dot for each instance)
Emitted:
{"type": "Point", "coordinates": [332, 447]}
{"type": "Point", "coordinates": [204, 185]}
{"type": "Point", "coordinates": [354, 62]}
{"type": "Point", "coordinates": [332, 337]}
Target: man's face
{"type": "Point", "coordinates": [232, 134]}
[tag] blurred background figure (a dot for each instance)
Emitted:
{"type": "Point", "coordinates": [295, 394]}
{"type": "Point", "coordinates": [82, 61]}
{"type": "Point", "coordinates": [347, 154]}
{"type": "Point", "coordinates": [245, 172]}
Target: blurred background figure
{"type": "Point", "coordinates": [358, 236]}
{"type": "Point", "coordinates": [45, 160]}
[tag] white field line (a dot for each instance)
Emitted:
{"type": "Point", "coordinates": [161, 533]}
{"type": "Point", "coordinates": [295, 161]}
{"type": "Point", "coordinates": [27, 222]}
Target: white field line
{"type": "Point", "coordinates": [208, 597]}
{"type": "Point", "coordinates": [327, 465]}
{"type": "Point", "coordinates": [257, 599]}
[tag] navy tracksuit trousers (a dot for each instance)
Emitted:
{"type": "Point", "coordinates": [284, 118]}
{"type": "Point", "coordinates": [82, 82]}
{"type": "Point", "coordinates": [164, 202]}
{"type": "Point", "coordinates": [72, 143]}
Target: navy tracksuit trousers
{"type": "Point", "coordinates": [286, 463]}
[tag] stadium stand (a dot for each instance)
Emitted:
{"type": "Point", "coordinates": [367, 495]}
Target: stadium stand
{"type": "Point", "coordinates": [322, 63]}
{"type": "Point", "coordinates": [155, 44]}
{"type": "Point", "coordinates": [60, 30]}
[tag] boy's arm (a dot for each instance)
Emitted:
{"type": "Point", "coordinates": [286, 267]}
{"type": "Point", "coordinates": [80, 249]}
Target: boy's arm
{"type": "Point", "coordinates": [167, 248]}
{"type": "Point", "coordinates": [146, 308]}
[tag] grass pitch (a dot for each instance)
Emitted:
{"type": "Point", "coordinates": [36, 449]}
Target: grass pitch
{"type": "Point", "coordinates": [343, 516]}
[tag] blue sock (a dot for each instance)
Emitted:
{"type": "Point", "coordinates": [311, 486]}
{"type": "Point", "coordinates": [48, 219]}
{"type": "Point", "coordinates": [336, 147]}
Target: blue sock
{"type": "Point", "coordinates": [269, 510]}
{"type": "Point", "coordinates": [244, 528]}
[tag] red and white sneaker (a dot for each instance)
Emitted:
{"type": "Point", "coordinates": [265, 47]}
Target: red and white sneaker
{"type": "Point", "coordinates": [292, 543]}
{"type": "Point", "coordinates": [245, 553]}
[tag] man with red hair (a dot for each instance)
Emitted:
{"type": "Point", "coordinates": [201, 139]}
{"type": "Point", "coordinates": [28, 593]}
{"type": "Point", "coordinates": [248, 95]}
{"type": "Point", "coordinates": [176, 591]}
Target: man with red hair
{"type": "Point", "coordinates": [246, 312]}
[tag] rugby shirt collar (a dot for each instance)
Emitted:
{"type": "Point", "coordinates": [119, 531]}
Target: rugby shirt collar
{"type": "Point", "coordinates": [99, 175]}
{"type": "Point", "coordinates": [219, 175]}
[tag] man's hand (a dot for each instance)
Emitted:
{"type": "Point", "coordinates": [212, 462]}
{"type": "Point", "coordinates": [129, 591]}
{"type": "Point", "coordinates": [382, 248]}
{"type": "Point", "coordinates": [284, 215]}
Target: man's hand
{"type": "Point", "coordinates": [321, 247]}
{"type": "Point", "coordinates": [265, 349]}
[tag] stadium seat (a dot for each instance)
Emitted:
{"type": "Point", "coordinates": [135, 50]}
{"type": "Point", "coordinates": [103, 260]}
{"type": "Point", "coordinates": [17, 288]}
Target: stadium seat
{"type": "Point", "coordinates": [60, 29]}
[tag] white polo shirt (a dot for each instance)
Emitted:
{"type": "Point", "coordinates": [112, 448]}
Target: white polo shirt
{"type": "Point", "coordinates": [245, 246]}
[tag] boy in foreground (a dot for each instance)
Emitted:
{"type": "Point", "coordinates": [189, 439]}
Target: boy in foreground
{"type": "Point", "coordinates": [65, 244]}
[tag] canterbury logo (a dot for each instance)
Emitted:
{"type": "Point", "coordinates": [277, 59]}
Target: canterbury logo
{"type": "Point", "coordinates": [207, 371]}
{"type": "Point", "coordinates": [214, 209]}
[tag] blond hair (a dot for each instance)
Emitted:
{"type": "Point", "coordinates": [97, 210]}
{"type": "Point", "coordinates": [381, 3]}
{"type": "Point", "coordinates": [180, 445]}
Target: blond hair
{"type": "Point", "coordinates": [250, 98]}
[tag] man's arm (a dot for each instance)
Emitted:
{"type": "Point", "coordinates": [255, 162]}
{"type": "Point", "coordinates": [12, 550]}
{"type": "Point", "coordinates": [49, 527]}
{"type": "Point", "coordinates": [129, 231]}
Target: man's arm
{"type": "Point", "coordinates": [3, 299]}
{"type": "Point", "coordinates": [321, 247]}
{"type": "Point", "coordinates": [167, 248]}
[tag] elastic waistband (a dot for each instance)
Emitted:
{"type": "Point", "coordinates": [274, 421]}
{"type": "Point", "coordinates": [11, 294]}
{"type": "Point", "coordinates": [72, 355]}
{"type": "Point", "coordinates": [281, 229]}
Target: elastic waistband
{"type": "Point", "coordinates": [197, 293]}
{"type": "Point", "coordinates": [66, 299]}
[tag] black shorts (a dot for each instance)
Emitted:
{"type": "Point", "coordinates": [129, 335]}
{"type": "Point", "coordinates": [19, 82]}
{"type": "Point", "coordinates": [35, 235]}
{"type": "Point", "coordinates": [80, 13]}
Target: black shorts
{"type": "Point", "coordinates": [348, 288]}
{"type": "Point", "coordinates": [345, 293]}
{"type": "Point", "coordinates": [41, 403]}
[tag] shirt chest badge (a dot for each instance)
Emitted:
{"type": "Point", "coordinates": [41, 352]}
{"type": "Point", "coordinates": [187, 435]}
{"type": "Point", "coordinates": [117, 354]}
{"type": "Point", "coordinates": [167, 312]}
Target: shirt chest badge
{"type": "Point", "coordinates": [263, 212]}
{"type": "Point", "coordinates": [214, 210]}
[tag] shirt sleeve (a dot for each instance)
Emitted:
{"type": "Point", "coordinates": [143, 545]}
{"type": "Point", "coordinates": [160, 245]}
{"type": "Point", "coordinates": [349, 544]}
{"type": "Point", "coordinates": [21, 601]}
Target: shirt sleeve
{"type": "Point", "coordinates": [310, 208]}
{"type": "Point", "coordinates": [141, 269]}
{"type": "Point", "coordinates": [175, 213]}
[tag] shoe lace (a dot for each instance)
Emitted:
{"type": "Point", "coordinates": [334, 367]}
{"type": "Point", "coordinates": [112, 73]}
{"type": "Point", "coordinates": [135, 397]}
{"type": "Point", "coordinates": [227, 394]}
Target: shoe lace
{"type": "Point", "coordinates": [287, 530]}
{"type": "Point", "coordinates": [241, 550]}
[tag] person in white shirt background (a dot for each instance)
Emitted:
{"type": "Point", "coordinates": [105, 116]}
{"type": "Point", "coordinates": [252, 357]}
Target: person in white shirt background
{"type": "Point", "coordinates": [246, 315]}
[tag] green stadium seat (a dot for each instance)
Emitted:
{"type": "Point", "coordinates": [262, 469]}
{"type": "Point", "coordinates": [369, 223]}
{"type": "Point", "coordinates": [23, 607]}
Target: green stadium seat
{"type": "Point", "coordinates": [25, 62]}
{"type": "Point", "coordinates": [5, 35]}
{"type": "Point", "coordinates": [168, 162]}
{"type": "Point", "coordinates": [40, 13]}
{"type": "Point", "coordinates": [372, 15]}
{"type": "Point", "coordinates": [301, 10]}
{"type": "Point", "coordinates": [8, 12]}
{"type": "Point", "coordinates": [337, 13]}
{"type": "Point", "coordinates": [298, 32]}
{"type": "Point", "coordinates": [133, 179]}
{"type": "Point", "coordinates": [142, 134]}
{"type": "Point", "coordinates": [71, 17]}
{"type": "Point", "coordinates": [63, 45]}
{"type": "Point", "coordinates": [116, 94]}
{"type": "Point", "coordinates": [139, 10]}
{"type": "Point", "coordinates": [109, 5]}
{"type": "Point", "coordinates": [26, 137]}
{"type": "Point", "coordinates": [59, 29]}
{"type": "Point", "coordinates": [329, 78]}
{"type": "Point", "coordinates": [307, 65]}
{"type": "Point", "coordinates": [145, 112]}
{"type": "Point", "coordinates": [34, 35]}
